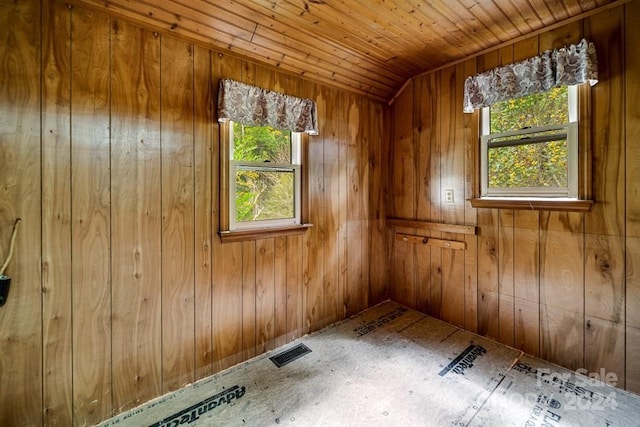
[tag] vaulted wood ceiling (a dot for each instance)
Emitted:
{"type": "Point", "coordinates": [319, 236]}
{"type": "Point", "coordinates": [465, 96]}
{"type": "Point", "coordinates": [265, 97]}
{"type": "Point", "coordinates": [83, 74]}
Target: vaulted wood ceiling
{"type": "Point", "coordinates": [367, 46]}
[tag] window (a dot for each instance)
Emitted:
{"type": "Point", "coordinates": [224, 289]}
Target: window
{"type": "Point", "coordinates": [534, 152]}
{"type": "Point", "coordinates": [529, 146]}
{"type": "Point", "coordinates": [262, 182]}
{"type": "Point", "coordinates": [264, 177]}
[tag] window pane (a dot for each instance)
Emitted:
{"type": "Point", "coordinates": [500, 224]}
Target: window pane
{"type": "Point", "coordinates": [261, 144]}
{"type": "Point", "coordinates": [263, 195]}
{"type": "Point", "coordinates": [542, 109]}
{"type": "Point", "coordinates": [525, 166]}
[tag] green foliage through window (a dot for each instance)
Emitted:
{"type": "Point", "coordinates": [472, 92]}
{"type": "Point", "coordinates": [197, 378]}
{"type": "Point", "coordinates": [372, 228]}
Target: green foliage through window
{"type": "Point", "coordinates": [540, 109]}
{"type": "Point", "coordinates": [535, 164]}
{"type": "Point", "coordinates": [264, 178]}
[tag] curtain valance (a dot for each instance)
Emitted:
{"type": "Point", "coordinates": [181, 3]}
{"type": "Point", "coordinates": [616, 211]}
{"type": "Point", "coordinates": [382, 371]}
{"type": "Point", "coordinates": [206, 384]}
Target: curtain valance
{"type": "Point", "coordinates": [254, 106]}
{"type": "Point", "coordinates": [566, 66]}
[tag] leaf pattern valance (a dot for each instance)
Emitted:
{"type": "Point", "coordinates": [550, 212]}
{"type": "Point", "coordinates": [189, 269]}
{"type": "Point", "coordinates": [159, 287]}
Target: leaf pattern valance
{"type": "Point", "coordinates": [254, 106]}
{"type": "Point", "coordinates": [566, 66]}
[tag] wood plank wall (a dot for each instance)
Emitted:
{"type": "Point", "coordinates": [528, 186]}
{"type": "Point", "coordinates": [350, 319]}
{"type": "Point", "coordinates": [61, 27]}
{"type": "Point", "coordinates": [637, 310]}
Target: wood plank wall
{"type": "Point", "coordinates": [121, 288]}
{"type": "Point", "coordinates": [563, 286]}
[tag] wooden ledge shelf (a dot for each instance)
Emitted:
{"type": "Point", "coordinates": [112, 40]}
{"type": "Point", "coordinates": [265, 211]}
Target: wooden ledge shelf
{"type": "Point", "coordinates": [431, 241]}
{"type": "Point", "coordinates": [262, 233]}
{"type": "Point", "coordinates": [432, 226]}
{"type": "Point", "coordinates": [564, 205]}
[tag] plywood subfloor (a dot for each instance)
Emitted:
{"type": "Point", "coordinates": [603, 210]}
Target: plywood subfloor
{"type": "Point", "coordinates": [391, 366]}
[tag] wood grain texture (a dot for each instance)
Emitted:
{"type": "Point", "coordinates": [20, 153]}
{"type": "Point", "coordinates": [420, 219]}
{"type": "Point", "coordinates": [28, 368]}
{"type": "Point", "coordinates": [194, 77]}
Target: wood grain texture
{"type": "Point", "coordinates": [632, 121]}
{"type": "Point", "coordinates": [632, 279]}
{"type": "Point", "coordinates": [526, 330]}
{"type": "Point", "coordinates": [56, 216]}
{"type": "Point", "coordinates": [404, 181]}
{"type": "Point", "coordinates": [370, 48]}
{"type": "Point", "coordinates": [562, 261]}
{"type": "Point", "coordinates": [526, 269]}
{"type": "Point", "coordinates": [488, 284]}
{"type": "Point", "coordinates": [604, 277]}
{"type": "Point", "coordinates": [177, 180]}
{"type": "Point", "coordinates": [433, 226]}
{"type": "Point", "coordinates": [294, 288]}
{"type": "Point", "coordinates": [265, 296]}
{"type": "Point", "coordinates": [549, 283]}
{"type": "Point", "coordinates": [452, 159]}
{"type": "Point", "coordinates": [280, 289]}
{"type": "Point", "coordinates": [424, 98]}
{"type": "Point", "coordinates": [91, 221]}
{"type": "Point", "coordinates": [608, 161]}
{"type": "Point", "coordinates": [470, 136]}
{"type": "Point", "coordinates": [203, 210]}
{"type": "Point", "coordinates": [84, 121]}
{"type": "Point", "coordinates": [378, 196]}
{"type": "Point", "coordinates": [471, 284]}
{"type": "Point", "coordinates": [562, 337]}
{"type": "Point", "coordinates": [249, 296]}
{"type": "Point", "coordinates": [404, 271]}
{"type": "Point", "coordinates": [140, 296]}
{"type": "Point", "coordinates": [361, 302]}
{"type": "Point", "coordinates": [333, 165]}
{"type": "Point", "coordinates": [356, 295]}
{"type": "Point", "coordinates": [403, 188]}
{"type": "Point", "coordinates": [632, 366]}
{"type": "Point", "coordinates": [435, 187]}
{"type": "Point", "coordinates": [506, 249]}
{"type": "Point", "coordinates": [604, 344]}
{"type": "Point", "coordinates": [227, 272]}
{"type": "Point", "coordinates": [342, 129]}
{"type": "Point", "coordinates": [135, 216]}
{"type": "Point", "coordinates": [20, 190]}
{"type": "Point", "coordinates": [313, 259]}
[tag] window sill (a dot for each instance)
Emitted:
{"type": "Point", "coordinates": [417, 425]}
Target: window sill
{"type": "Point", "coordinates": [540, 204]}
{"type": "Point", "coordinates": [262, 233]}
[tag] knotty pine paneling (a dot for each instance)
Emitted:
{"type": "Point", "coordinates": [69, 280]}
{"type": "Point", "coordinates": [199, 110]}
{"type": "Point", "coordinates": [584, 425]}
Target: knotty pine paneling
{"type": "Point", "coordinates": [121, 287]}
{"type": "Point", "coordinates": [563, 286]}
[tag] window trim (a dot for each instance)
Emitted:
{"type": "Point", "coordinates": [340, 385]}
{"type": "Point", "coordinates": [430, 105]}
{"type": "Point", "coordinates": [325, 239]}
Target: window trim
{"type": "Point", "coordinates": [581, 203]}
{"type": "Point", "coordinates": [274, 229]}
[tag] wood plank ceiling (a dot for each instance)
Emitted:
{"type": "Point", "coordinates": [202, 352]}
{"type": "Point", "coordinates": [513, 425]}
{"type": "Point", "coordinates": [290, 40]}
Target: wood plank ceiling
{"type": "Point", "coordinates": [366, 46]}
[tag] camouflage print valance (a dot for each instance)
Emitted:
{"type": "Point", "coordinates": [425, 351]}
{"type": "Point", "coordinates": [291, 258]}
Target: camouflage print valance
{"type": "Point", "coordinates": [566, 66]}
{"type": "Point", "coordinates": [253, 106]}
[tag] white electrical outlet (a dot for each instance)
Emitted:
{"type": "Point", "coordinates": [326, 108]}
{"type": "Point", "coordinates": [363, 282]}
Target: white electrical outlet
{"type": "Point", "coordinates": [448, 196]}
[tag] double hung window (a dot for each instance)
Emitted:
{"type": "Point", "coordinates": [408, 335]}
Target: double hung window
{"type": "Point", "coordinates": [529, 146]}
{"type": "Point", "coordinates": [263, 146]}
{"type": "Point", "coordinates": [534, 150]}
{"type": "Point", "coordinates": [264, 177]}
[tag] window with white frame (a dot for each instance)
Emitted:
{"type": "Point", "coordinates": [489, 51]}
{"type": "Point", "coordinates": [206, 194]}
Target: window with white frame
{"type": "Point", "coordinates": [529, 146]}
{"type": "Point", "coordinates": [264, 177]}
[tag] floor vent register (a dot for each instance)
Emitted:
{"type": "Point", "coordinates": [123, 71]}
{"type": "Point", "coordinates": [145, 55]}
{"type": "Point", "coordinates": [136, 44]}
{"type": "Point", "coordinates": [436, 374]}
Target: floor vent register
{"type": "Point", "coordinates": [290, 355]}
